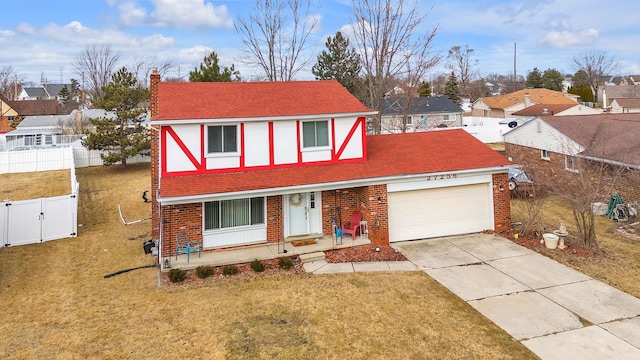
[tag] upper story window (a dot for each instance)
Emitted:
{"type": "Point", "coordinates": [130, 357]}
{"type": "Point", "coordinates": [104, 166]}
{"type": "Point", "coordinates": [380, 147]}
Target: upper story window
{"type": "Point", "coordinates": [409, 120]}
{"type": "Point", "coordinates": [315, 134]}
{"type": "Point", "coordinates": [222, 139]}
{"type": "Point", "coordinates": [545, 155]}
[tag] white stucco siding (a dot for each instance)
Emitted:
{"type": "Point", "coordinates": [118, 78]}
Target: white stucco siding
{"type": "Point", "coordinates": [256, 144]}
{"type": "Point", "coordinates": [285, 144]}
{"type": "Point", "coordinates": [354, 148]}
{"type": "Point", "coordinates": [177, 158]}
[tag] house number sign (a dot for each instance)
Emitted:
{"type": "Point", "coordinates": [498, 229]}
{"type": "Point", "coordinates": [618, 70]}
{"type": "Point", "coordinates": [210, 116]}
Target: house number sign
{"type": "Point", "coordinates": [441, 177]}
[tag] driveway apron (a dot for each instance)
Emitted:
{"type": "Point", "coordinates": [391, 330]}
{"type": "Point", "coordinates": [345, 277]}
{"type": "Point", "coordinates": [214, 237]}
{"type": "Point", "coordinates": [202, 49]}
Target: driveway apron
{"type": "Point", "coordinates": [555, 311]}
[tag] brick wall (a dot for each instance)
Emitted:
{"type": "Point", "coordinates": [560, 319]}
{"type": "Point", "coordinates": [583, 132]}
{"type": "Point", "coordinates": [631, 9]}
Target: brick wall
{"type": "Point", "coordinates": [155, 159]}
{"type": "Point", "coordinates": [179, 218]}
{"type": "Point", "coordinates": [501, 203]}
{"type": "Point", "coordinates": [275, 223]}
{"type": "Point", "coordinates": [363, 199]}
{"type": "Point", "coordinates": [550, 174]}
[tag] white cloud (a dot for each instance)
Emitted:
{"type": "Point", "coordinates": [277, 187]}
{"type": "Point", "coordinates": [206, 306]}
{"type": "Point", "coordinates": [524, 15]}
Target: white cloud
{"type": "Point", "coordinates": [26, 29]}
{"type": "Point", "coordinates": [563, 39]}
{"type": "Point", "coordinates": [189, 14]}
{"type": "Point", "coordinates": [131, 14]}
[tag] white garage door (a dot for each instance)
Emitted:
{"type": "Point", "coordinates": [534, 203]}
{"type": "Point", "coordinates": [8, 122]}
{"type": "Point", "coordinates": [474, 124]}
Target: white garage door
{"type": "Point", "coordinates": [420, 214]}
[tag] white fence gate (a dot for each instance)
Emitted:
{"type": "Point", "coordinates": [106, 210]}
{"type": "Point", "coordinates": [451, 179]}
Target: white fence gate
{"type": "Point", "coordinates": [38, 220]}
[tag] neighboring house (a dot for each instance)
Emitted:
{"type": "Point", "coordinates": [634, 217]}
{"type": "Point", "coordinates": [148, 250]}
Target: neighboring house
{"type": "Point", "coordinates": [45, 92]}
{"type": "Point", "coordinates": [7, 114]}
{"type": "Point", "coordinates": [622, 105]}
{"type": "Point", "coordinates": [53, 130]}
{"type": "Point", "coordinates": [419, 114]}
{"type": "Point", "coordinates": [550, 145]}
{"type": "Point", "coordinates": [241, 163]}
{"type": "Point", "coordinates": [37, 131]}
{"type": "Point", "coordinates": [504, 106]}
{"type": "Point", "coordinates": [609, 93]}
{"type": "Point", "coordinates": [556, 110]}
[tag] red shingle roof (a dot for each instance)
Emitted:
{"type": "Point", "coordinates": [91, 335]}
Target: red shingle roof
{"type": "Point", "coordinates": [224, 100]}
{"type": "Point", "coordinates": [388, 155]}
{"type": "Point", "coordinates": [544, 109]}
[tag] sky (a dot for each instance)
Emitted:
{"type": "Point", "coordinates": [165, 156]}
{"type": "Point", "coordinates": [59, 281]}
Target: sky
{"type": "Point", "coordinates": [40, 39]}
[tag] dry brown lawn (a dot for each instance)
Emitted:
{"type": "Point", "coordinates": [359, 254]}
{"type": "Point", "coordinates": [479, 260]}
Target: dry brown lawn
{"type": "Point", "coordinates": [616, 263]}
{"type": "Point", "coordinates": [58, 305]}
{"type": "Point", "coordinates": [22, 186]}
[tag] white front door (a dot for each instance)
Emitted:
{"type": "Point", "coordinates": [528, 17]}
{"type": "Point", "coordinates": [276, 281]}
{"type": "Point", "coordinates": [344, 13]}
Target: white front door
{"type": "Point", "coordinates": [298, 217]}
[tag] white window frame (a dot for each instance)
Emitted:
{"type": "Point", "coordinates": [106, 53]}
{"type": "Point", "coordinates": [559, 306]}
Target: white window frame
{"type": "Point", "coordinates": [316, 147]}
{"type": "Point", "coordinates": [223, 153]}
{"type": "Point", "coordinates": [545, 154]}
{"type": "Point", "coordinates": [409, 120]}
{"type": "Point", "coordinates": [571, 160]}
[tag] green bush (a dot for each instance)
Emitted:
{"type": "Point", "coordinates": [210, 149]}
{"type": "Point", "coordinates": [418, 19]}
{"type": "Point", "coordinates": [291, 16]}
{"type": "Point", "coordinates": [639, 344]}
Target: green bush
{"type": "Point", "coordinates": [177, 275]}
{"type": "Point", "coordinates": [257, 265]}
{"type": "Point", "coordinates": [204, 271]}
{"type": "Point", "coordinates": [229, 270]}
{"type": "Point", "coordinates": [285, 263]}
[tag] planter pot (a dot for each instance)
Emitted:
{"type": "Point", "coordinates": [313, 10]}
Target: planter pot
{"type": "Point", "coordinates": [550, 240]}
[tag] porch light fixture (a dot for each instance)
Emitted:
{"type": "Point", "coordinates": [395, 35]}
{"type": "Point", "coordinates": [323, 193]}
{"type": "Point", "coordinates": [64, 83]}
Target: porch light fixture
{"type": "Point", "coordinates": [377, 248]}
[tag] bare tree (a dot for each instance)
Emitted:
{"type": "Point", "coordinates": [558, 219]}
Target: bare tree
{"type": "Point", "coordinates": [463, 66]}
{"type": "Point", "coordinates": [275, 36]}
{"type": "Point", "coordinates": [596, 65]}
{"type": "Point", "coordinates": [386, 33]}
{"type": "Point", "coordinates": [10, 82]}
{"type": "Point", "coordinates": [94, 65]}
{"type": "Point", "coordinates": [141, 68]}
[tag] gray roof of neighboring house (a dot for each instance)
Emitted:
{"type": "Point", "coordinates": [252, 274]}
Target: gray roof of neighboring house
{"type": "Point", "coordinates": [419, 105]}
{"type": "Point", "coordinates": [622, 91]}
{"type": "Point", "coordinates": [35, 92]}
{"type": "Point", "coordinates": [43, 120]}
{"type": "Point", "coordinates": [610, 137]}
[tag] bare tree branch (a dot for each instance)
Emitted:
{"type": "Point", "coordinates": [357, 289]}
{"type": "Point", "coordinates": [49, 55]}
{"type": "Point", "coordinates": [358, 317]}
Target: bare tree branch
{"type": "Point", "coordinates": [596, 65]}
{"type": "Point", "coordinates": [386, 34]}
{"type": "Point", "coordinates": [10, 82]}
{"type": "Point", "coordinates": [94, 65]}
{"type": "Point", "coordinates": [275, 36]}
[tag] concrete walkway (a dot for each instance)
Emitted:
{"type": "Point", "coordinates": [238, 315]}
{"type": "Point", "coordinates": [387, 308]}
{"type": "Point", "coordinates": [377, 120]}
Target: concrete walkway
{"type": "Point", "coordinates": [324, 267]}
{"type": "Point", "coordinates": [555, 311]}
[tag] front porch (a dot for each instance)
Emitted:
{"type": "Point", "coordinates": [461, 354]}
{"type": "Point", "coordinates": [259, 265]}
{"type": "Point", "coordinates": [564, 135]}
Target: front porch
{"type": "Point", "coordinates": [265, 251]}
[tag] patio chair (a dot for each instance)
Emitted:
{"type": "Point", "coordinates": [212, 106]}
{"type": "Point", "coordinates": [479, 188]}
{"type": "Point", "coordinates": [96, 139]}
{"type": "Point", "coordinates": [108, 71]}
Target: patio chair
{"type": "Point", "coordinates": [186, 246]}
{"type": "Point", "coordinates": [352, 226]}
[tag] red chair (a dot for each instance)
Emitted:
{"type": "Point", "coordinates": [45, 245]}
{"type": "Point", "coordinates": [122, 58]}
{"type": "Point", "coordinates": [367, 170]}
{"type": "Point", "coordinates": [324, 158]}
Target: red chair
{"type": "Point", "coordinates": [353, 226]}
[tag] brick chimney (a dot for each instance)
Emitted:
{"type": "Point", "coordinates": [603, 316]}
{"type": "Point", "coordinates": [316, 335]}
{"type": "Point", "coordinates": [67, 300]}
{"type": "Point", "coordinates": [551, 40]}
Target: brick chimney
{"type": "Point", "coordinates": [153, 95]}
{"type": "Point", "coordinates": [155, 159]}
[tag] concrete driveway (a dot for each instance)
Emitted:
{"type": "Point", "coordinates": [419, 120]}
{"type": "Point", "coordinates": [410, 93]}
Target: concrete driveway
{"type": "Point", "coordinates": [555, 311]}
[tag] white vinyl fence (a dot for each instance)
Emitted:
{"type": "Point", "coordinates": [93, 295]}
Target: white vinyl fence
{"type": "Point", "coordinates": [57, 158]}
{"type": "Point", "coordinates": [38, 220]}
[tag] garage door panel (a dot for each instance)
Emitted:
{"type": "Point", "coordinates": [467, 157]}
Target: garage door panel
{"type": "Point", "coordinates": [420, 214]}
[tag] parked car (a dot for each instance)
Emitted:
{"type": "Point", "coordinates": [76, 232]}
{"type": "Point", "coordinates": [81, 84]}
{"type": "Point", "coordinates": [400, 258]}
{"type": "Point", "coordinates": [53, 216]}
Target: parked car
{"type": "Point", "coordinates": [519, 181]}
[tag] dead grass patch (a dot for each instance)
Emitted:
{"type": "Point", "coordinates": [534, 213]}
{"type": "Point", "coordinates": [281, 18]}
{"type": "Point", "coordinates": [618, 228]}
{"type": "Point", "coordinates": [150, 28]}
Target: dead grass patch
{"type": "Point", "coordinates": [616, 260]}
{"type": "Point", "coordinates": [23, 186]}
{"type": "Point", "coordinates": [58, 305]}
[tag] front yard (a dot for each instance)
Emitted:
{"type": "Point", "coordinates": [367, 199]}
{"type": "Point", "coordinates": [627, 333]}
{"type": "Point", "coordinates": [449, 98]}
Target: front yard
{"type": "Point", "coordinates": [57, 303]}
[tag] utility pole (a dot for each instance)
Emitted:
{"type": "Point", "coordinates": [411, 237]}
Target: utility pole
{"type": "Point", "coordinates": [515, 77]}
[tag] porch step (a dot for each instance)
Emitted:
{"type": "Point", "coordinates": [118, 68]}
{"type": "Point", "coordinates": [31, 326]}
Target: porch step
{"type": "Point", "coordinates": [311, 257]}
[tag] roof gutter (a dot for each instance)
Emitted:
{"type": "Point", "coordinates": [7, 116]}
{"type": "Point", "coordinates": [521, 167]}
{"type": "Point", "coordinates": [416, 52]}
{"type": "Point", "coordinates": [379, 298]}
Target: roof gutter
{"type": "Point", "coordinates": [264, 118]}
{"type": "Point", "coordinates": [321, 187]}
